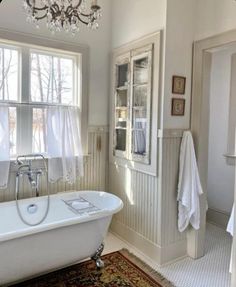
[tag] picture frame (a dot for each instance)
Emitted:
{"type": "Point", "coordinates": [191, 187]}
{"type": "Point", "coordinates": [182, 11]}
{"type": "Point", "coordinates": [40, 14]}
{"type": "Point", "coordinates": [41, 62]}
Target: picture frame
{"type": "Point", "coordinates": [178, 85]}
{"type": "Point", "coordinates": [178, 107]}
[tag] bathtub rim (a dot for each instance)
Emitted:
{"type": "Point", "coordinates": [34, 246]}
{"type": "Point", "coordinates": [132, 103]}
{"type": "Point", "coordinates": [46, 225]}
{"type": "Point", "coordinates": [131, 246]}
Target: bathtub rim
{"type": "Point", "coordinates": [29, 230]}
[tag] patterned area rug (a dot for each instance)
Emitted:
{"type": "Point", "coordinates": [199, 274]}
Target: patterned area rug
{"type": "Point", "coordinates": [122, 269]}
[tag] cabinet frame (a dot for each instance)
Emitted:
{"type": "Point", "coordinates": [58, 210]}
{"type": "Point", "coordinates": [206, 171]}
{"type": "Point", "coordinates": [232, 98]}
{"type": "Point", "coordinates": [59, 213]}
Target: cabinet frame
{"type": "Point", "coordinates": [121, 60]}
{"type": "Point", "coordinates": [135, 50]}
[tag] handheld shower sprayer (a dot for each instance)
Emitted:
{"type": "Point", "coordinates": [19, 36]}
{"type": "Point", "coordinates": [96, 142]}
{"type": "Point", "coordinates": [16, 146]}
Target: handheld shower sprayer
{"type": "Point", "coordinates": [26, 168]}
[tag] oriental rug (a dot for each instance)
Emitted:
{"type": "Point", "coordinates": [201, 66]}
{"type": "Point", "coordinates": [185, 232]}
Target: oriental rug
{"type": "Point", "coordinates": [122, 269]}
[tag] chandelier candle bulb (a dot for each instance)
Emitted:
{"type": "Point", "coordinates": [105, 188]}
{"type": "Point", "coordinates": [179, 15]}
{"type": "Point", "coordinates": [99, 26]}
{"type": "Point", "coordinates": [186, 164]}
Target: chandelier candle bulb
{"type": "Point", "coordinates": [94, 3]}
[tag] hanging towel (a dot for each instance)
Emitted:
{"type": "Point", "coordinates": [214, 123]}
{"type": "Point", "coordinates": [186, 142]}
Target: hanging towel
{"type": "Point", "coordinates": [64, 144]}
{"type": "Point", "coordinates": [4, 147]}
{"type": "Point", "coordinates": [189, 186]}
{"type": "Point", "coordinates": [230, 229]}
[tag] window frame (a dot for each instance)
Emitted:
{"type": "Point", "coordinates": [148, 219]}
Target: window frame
{"type": "Point", "coordinates": [26, 43]}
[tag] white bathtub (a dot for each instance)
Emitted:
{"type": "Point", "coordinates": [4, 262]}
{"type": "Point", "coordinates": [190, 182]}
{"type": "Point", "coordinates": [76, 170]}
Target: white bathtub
{"type": "Point", "coordinates": [64, 238]}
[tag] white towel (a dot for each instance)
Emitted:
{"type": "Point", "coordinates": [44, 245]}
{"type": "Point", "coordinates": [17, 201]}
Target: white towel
{"type": "Point", "coordinates": [189, 186]}
{"type": "Point", "coordinates": [230, 226]}
{"type": "Point", "coordinates": [4, 147]}
{"type": "Point", "coordinates": [230, 229]}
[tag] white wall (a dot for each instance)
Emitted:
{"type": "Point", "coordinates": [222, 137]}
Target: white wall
{"type": "Point", "coordinates": [189, 20]}
{"type": "Point", "coordinates": [220, 175]}
{"type": "Point", "coordinates": [12, 17]}
{"type": "Point", "coordinates": [180, 28]}
{"type": "Point", "coordinates": [132, 19]}
{"type": "Point", "coordinates": [214, 17]}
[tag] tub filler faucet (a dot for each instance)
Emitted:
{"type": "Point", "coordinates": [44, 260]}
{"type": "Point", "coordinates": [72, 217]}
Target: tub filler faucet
{"type": "Point", "coordinates": [25, 168]}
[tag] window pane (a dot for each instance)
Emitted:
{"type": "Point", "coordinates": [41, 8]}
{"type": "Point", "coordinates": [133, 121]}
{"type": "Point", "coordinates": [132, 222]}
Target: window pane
{"type": "Point", "coordinates": [12, 122]}
{"type": "Point", "coordinates": [122, 75]}
{"type": "Point", "coordinates": [120, 139]}
{"type": "Point", "coordinates": [8, 74]}
{"type": "Point", "coordinates": [141, 70]}
{"type": "Point", "coordinates": [52, 79]}
{"type": "Point", "coordinates": [39, 131]}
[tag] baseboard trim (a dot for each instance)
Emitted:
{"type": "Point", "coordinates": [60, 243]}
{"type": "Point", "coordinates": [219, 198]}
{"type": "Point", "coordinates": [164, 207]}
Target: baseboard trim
{"type": "Point", "coordinates": [218, 217]}
{"type": "Point", "coordinates": [161, 255]}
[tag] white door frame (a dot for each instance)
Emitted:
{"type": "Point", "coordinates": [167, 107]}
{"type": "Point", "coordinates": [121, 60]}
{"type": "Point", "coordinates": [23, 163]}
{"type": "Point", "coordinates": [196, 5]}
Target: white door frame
{"type": "Point", "coordinates": [200, 129]}
{"type": "Point", "coordinates": [233, 278]}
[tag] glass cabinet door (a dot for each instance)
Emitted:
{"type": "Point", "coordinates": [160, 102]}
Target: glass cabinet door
{"type": "Point", "coordinates": [121, 107]}
{"type": "Point", "coordinates": [141, 67]}
{"type": "Point", "coordinates": [132, 105]}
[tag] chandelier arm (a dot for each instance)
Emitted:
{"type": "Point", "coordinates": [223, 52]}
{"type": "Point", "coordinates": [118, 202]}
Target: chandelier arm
{"type": "Point", "coordinates": [77, 6]}
{"type": "Point", "coordinates": [41, 17]}
{"type": "Point", "coordinates": [81, 20]}
{"type": "Point", "coordinates": [86, 15]}
{"type": "Point", "coordinates": [36, 8]}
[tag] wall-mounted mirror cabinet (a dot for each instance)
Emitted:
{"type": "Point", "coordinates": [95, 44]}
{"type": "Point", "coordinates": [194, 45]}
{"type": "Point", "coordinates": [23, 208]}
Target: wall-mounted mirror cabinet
{"type": "Point", "coordinates": [134, 104]}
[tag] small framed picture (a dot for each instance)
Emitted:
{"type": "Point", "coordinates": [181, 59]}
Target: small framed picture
{"type": "Point", "coordinates": [178, 85]}
{"type": "Point", "coordinates": [178, 107]}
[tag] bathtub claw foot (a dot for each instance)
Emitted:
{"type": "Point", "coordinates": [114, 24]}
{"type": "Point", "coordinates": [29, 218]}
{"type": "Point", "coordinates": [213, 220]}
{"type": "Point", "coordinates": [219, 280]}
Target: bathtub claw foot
{"type": "Point", "coordinates": [97, 257]}
{"type": "Point", "coordinates": [99, 263]}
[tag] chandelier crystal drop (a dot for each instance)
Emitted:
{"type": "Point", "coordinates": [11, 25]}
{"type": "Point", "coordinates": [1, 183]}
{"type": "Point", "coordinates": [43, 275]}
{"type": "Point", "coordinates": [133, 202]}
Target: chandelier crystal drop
{"type": "Point", "coordinates": [63, 14]}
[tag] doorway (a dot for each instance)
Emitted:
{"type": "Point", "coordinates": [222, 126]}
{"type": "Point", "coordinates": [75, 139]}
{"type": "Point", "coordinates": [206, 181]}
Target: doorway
{"type": "Point", "coordinates": [220, 181]}
{"type": "Point", "coordinates": [206, 55]}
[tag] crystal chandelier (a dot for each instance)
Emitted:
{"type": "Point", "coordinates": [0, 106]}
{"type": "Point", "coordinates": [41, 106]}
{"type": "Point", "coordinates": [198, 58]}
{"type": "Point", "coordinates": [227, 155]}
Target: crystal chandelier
{"type": "Point", "coordinates": [63, 14]}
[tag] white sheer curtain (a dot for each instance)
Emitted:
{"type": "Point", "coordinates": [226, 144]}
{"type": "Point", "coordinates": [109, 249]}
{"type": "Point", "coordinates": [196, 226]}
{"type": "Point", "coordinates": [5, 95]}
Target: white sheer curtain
{"type": "Point", "coordinates": [64, 144]}
{"type": "Point", "coordinates": [4, 147]}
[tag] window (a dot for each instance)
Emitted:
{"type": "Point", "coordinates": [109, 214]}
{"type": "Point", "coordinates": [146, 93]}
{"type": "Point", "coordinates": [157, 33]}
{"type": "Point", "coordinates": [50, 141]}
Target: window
{"type": "Point", "coordinates": [31, 79]}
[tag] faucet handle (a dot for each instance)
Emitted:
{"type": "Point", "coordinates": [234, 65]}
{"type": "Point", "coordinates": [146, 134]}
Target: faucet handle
{"type": "Point", "coordinates": [18, 162]}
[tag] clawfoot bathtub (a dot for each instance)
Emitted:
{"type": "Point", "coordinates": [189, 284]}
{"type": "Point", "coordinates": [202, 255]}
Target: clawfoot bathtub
{"type": "Point", "coordinates": [72, 231]}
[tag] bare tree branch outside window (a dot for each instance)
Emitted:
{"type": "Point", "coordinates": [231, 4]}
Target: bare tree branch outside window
{"type": "Point", "coordinates": [8, 74]}
{"type": "Point", "coordinates": [51, 82]}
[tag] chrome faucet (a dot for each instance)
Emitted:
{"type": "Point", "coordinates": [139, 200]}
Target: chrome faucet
{"type": "Point", "coordinates": [32, 174]}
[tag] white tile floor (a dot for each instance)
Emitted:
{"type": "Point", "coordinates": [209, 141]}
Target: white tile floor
{"type": "Point", "coordinates": [209, 271]}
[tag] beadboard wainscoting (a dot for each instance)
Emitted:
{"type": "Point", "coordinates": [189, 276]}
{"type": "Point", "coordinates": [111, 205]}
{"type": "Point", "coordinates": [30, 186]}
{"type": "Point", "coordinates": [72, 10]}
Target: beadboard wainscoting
{"type": "Point", "coordinates": [173, 243]}
{"type": "Point", "coordinates": [95, 167]}
{"type": "Point", "coordinates": [149, 218]}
